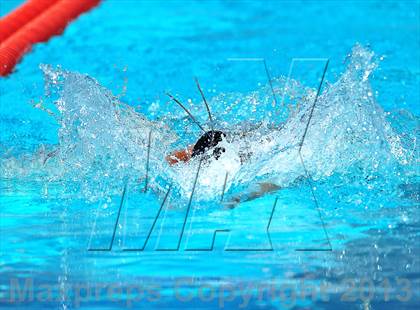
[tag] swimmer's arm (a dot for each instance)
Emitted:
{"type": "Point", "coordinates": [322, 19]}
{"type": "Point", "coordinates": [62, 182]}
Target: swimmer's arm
{"type": "Point", "coordinates": [264, 188]}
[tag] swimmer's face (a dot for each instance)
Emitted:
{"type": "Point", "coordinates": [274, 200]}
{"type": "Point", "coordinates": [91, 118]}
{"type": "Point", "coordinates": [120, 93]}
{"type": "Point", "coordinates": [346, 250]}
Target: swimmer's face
{"type": "Point", "coordinates": [180, 156]}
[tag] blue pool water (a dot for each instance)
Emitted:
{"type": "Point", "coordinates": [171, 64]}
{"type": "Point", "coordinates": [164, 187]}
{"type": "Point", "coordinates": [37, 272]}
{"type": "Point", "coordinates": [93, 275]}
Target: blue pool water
{"type": "Point", "coordinates": [345, 225]}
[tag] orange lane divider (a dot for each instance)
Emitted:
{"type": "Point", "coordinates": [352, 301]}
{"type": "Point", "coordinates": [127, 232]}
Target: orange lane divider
{"type": "Point", "coordinates": [43, 26]}
{"type": "Point", "coordinates": [21, 16]}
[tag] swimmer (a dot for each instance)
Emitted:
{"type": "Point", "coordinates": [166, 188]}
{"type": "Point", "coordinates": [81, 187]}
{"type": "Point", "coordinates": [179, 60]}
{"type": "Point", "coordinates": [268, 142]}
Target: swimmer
{"type": "Point", "coordinates": [205, 143]}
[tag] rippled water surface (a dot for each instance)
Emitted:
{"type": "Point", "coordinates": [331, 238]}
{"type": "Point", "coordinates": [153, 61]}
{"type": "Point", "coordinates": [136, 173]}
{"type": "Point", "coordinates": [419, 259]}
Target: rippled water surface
{"type": "Point", "coordinates": [86, 125]}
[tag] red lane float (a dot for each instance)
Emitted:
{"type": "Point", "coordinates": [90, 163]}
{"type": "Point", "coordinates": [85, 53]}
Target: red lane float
{"type": "Point", "coordinates": [43, 26]}
{"type": "Point", "coordinates": [21, 16]}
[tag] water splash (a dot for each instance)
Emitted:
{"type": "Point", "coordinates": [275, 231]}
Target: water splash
{"type": "Point", "coordinates": [104, 142]}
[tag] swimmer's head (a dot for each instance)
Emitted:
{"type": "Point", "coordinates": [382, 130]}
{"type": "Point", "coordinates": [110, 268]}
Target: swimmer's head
{"type": "Point", "coordinates": [207, 141]}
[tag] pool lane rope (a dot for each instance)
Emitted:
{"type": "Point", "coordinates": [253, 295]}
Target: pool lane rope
{"type": "Point", "coordinates": [33, 22]}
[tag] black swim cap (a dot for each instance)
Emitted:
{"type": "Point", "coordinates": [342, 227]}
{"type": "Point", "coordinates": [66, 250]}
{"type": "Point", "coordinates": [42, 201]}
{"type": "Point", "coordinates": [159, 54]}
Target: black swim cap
{"type": "Point", "coordinates": [207, 141]}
